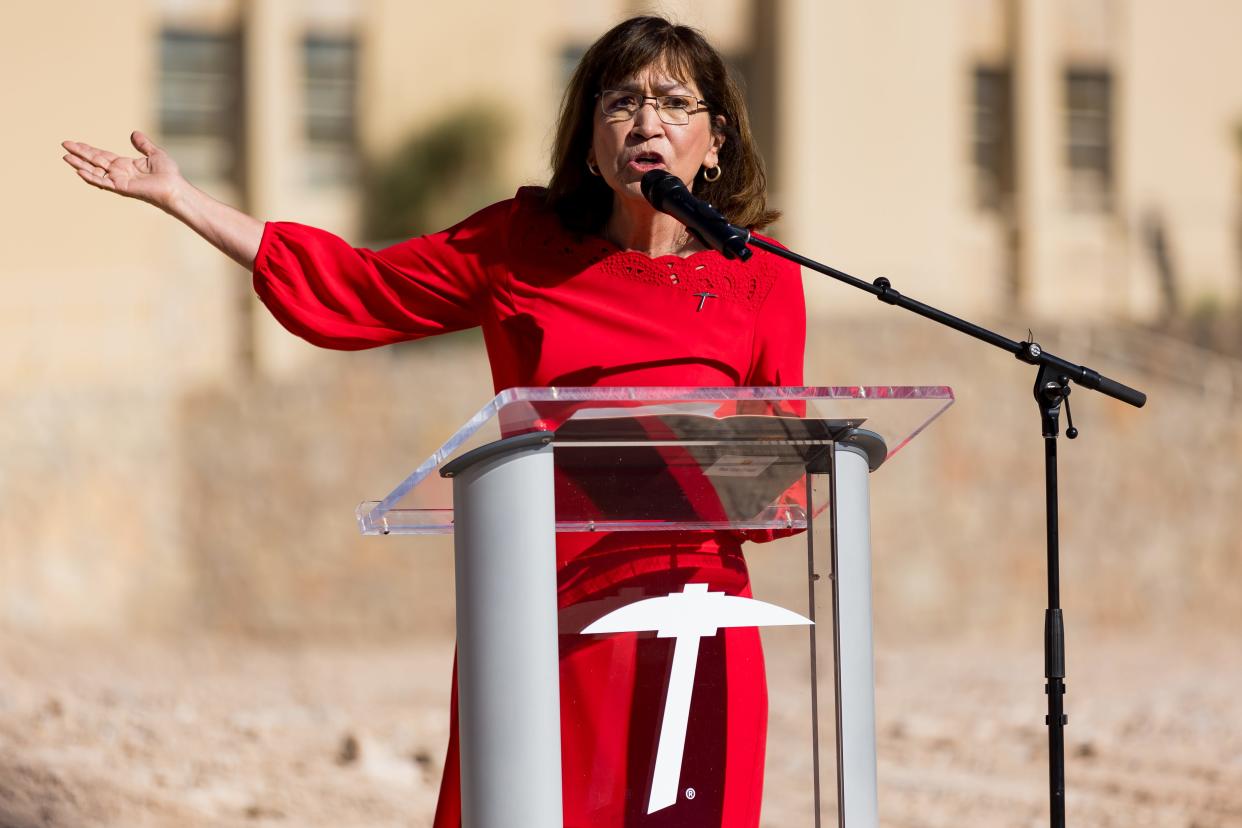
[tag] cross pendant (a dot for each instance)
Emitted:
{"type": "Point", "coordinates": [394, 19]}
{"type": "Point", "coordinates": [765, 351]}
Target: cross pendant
{"type": "Point", "coordinates": [703, 297]}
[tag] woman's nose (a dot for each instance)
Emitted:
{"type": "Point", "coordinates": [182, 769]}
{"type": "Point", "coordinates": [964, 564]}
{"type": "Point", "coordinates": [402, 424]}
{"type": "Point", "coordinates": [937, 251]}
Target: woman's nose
{"type": "Point", "coordinates": [647, 120]}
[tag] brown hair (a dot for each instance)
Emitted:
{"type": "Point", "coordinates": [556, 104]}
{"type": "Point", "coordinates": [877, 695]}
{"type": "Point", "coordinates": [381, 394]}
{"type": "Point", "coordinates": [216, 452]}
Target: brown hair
{"type": "Point", "coordinates": [584, 201]}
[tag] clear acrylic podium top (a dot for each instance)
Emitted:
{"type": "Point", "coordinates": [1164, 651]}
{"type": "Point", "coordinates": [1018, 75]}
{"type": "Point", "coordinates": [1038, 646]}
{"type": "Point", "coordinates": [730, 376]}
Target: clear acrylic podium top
{"type": "Point", "coordinates": [643, 459]}
{"type": "Point", "coordinates": [662, 445]}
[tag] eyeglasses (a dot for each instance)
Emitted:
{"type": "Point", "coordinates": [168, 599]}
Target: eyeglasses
{"type": "Point", "coordinates": [620, 105]}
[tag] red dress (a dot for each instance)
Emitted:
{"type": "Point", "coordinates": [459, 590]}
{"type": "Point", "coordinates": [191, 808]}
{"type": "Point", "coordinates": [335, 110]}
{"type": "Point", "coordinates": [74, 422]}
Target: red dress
{"type": "Point", "coordinates": [560, 310]}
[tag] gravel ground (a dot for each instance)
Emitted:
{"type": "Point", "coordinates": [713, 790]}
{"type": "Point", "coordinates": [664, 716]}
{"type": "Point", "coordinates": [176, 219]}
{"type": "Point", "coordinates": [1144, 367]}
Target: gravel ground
{"type": "Point", "coordinates": [224, 732]}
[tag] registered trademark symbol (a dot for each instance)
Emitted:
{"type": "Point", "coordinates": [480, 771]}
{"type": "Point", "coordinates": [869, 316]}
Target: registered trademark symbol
{"type": "Point", "coordinates": [689, 793]}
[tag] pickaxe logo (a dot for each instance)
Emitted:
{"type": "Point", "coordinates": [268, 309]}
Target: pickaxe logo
{"type": "Point", "coordinates": [686, 616]}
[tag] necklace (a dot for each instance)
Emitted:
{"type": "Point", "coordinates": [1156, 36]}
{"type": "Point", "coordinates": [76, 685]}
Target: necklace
{"type": "Point", "coordinates": [683, 245]}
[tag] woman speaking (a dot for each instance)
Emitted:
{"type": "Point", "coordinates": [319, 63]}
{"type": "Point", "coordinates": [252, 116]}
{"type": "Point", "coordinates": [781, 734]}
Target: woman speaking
{"type": "Point", "coordinates": [580, 283]}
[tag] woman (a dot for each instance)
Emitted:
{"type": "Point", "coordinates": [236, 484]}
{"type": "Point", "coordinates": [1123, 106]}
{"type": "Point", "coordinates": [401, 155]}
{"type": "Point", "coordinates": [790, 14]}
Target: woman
{"type": "Point", "coordinates": [581, 283]}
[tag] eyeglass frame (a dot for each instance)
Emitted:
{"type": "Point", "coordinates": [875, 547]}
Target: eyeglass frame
{"type": "Point", "coordinates": [704, 106]}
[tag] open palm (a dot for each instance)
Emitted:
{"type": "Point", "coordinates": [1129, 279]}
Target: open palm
{"type": "Point", "coordinates": [154, 177]}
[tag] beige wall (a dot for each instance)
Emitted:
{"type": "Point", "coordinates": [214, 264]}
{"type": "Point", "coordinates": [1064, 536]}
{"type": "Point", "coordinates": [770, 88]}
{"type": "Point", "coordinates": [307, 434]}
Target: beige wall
{"type": "Point", "coordinates": [872, 147]}
{"type": "Point", "coordinates": [876, 142]}
{"type": "Point", "coordinates": [89, 296]}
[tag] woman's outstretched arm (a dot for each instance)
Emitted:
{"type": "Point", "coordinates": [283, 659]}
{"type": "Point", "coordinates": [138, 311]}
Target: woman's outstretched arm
{"type": "Point", "coordinates": [156, 179]}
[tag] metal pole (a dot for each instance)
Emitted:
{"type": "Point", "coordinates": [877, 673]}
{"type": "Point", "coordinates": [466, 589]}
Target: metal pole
{"type": "Point", "coordinates": [812, 579]}
{"type": "Point", "coordinates": [858, 795]}
{"type": "Point", "coordinates": [1051, 392]}
{"type": "Point", "coordinates": [507, 657]}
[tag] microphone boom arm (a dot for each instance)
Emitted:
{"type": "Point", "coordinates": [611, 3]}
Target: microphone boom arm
{"type": "Point", "coordinates": [1027, 351]}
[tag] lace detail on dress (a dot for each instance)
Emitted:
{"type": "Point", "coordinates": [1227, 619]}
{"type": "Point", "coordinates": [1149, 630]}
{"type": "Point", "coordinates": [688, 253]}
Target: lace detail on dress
{"type": "Point", "coordinates": [706, 272]}
{"type": "Point", "coordinates": [549, 247]}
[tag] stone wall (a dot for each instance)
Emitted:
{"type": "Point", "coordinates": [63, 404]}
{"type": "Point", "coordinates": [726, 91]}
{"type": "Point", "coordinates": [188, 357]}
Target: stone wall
{"type": "Point", "coordinates": [231, 508]}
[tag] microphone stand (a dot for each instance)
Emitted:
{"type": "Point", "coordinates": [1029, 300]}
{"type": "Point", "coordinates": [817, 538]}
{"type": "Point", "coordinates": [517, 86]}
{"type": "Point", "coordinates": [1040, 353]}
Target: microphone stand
{"type": "Point", "coordinates": [1052, 389]}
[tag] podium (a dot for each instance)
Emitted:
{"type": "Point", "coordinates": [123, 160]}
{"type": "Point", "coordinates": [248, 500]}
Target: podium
{"type": "Point", "coordinates": [730, 463]}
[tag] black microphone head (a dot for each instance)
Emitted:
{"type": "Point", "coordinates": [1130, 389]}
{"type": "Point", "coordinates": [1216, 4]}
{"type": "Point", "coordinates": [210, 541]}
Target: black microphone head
{"type": "Point", "coordinates": [656, 183]}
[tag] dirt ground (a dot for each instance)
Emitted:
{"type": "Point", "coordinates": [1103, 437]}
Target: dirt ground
{"type": "Point", "coordinates": [225, 732]}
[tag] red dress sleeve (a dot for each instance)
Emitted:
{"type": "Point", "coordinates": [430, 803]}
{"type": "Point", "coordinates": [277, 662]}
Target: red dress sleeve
{"type": "Point", "coordinates": [338, 296]}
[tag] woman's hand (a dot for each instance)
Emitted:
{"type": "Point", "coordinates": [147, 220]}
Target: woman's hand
{"type": "Point", "coordinates": [153, 178]}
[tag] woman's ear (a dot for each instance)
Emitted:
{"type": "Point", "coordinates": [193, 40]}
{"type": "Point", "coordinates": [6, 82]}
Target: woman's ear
{"type": "Point", "coordinates": [718, 139]}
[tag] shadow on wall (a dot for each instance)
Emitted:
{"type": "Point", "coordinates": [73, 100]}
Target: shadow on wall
{"type": "Point", "coordinates": [437, 176]}
{"type": "Point", "coordinates": [1206, 320]}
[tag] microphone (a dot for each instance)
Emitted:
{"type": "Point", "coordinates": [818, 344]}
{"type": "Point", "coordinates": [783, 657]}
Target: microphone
{"type": "Point", "coordinates": [669, 195]}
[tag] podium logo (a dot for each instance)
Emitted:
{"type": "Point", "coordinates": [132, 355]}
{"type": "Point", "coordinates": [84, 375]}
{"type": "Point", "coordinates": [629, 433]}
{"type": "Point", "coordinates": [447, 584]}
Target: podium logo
{"type": "Point", "coordinates": [686, 617]}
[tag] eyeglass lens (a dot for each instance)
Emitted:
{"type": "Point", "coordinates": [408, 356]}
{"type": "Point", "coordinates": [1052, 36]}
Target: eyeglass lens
{"type": "Point", "coordinates": [619, 105]}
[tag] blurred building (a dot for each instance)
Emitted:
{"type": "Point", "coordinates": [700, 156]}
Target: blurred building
{"type": "Point", "coordinates": [1072, 159]}
{"type": "Point", "coordinates": [1059, 157]}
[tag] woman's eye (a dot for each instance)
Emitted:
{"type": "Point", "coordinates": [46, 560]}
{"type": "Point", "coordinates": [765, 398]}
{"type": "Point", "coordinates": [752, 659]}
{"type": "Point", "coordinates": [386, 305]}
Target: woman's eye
{"type": "Point", "coordinates": [676, 102]}
{"type": "Point", "coordinates": [617, 103]}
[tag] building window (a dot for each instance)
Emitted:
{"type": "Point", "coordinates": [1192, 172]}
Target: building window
{"type": "Point", "coordinates": [992, 133]}
{"type": "Point", "coordinates": [567, 62]}
{"type": "Point", "coordinates": [1089, 137]}
{"type": "Point", "coordinates": [200, 100]}
{"type": "Point", "coordinates": [330, 87]}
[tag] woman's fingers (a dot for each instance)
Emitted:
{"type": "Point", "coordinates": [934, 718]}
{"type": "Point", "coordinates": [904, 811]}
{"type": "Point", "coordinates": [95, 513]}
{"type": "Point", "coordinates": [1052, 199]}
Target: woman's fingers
{"type": "Point", "coordinates": [79, 163]}
{"type": "Point", "coordinates": [136, 177]}
{"type": "Point", "coordinates": [82, 165]}
{"type": "Point", "coordinates": [96, 180]}
{"type": "Point", "coordinates": [76, 149]}
{"type": "Point", "coordinates": [98, 157]}
{"type": "Point", "coordinates": [79, 150]}
{"type": "Point", "coordinates": [90, 173]}
{"type": "Point", "coordinates": [142, 143]}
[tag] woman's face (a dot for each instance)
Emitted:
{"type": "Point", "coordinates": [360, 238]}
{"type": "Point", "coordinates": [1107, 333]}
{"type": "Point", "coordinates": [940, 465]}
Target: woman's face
{"type": "Point", "coordinates": [625, 149]}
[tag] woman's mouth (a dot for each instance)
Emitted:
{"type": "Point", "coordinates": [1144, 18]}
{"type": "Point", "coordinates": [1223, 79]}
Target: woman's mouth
{"type": "Point", "coordinates": [647, 161]}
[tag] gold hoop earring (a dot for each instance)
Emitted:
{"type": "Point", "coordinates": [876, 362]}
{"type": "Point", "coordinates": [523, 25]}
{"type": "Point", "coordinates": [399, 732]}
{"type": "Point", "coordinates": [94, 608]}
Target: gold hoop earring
{"type": "Point", "coordinates": [594, 170]}
{"type": "Point", "coordinates": [707, 170]}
